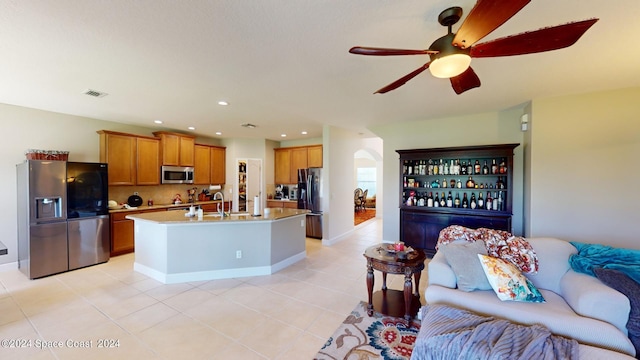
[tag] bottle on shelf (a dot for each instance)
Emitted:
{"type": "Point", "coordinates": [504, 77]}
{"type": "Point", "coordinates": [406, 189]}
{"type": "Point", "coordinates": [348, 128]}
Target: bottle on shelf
{"type": "Point", "coordinates": [469, 168]}
{"type": "Point", "coordinates": [452, 183]}
{"type": "Point", "coordinates": [445, 183]}
{"type": "Point", "coordinates": [465, 201]}
{"type": "Point", "coordinates": [446, 168]}
{"type": "Point", "coordinates": [435, 184]}
{"type": "Point", "coordinates": [421, 200]}
{"type": "Point", "coordinates": [489, 201]}
{"type": "Point", "coordinates": [476, 167]}
{"type": "Point", "coordinates": [430, 200]}
{"type": "Point", "coordinates": [463, 168]}
{"type": "Point", "coordinates": [443, 200]}
{"type": "Point", "coordinates": [470, 183]}
{"type": "Point", "coordinates": [430, 168]}
{"type": "Point", "coordinates": [480, 201]}
{"type": "Point", "coordinates": [495, 201]}
{"type": "Point", "coordinates": [456, 201]}
{"type": "Point", "coordinates": [459, 184]}
{"type": "Point", "coordinates": [494, 167]}
{"type": "Point", "coordinates": [500, 183]}
{"type": "Point", "coordinates": [449, 200]}
{"type": "Point", "coordinates": [485, 168]}
{"type": "Point", "coordinates": [502, 169]}
{"type": "Point", "coordinates": [473, 203]}
{"type": "Point", "coordinates": [436, 201]}
{"type": "Point", "coordinates": [456, 167]}
{"type": "Point", "coordinates": [441, 167]}
{"type": "Point", "coordinates": [500, 202]}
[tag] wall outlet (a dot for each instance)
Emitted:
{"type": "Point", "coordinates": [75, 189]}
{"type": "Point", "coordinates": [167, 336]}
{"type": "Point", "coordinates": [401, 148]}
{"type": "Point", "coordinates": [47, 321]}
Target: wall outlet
{"type": "Point", "coordinates": [301, 223]}
{"type": "Point", "coordinates": [238, 254]}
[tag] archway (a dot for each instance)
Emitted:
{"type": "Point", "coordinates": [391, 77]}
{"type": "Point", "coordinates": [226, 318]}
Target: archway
{"type": "Point", "coordinates": [367, 175]}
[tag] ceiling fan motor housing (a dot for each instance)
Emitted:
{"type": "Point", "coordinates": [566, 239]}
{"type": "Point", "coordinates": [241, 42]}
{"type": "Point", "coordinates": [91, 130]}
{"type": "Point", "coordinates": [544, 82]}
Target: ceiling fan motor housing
{"type": "Point", "coordinates": [445, 47]}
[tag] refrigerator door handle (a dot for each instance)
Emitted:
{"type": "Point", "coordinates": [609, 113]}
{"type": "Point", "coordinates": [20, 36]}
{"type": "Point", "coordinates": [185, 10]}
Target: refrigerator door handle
{"type": "Point", "coordinates": [309, 191]}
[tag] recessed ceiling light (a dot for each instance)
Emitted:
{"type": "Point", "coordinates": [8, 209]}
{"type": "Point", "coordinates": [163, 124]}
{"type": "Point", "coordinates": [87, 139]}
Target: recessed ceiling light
{"type": "Point", "coordinates": [283, 135]}
{"type": "Point", "coordinates": [191, 128]}
{"type": "Point", "coordinates": [218, 132]}
{"type": "Point", "coordinates": [223, 103]}
{"type": "Point", "coordinates": [304, 133]}
{"type": "Point", "coordinates": [157, 121]}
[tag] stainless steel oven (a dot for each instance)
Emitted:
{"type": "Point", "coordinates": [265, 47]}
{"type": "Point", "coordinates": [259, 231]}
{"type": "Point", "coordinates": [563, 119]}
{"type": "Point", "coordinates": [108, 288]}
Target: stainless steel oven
{"type": "Point", "coordinates": [177, 175]}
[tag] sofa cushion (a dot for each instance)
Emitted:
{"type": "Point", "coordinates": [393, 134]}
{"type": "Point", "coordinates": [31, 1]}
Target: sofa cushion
{"type": "Point", "coordinates": [463, 259]}
{"type": "Point", "coordinates": [554, 313]}
{"type": "Point", "coordinates": [553, 260]}
{"type": "Point", "coordinates": [624, 284]}
{"type": "Point", "coordinates": [507, 281]}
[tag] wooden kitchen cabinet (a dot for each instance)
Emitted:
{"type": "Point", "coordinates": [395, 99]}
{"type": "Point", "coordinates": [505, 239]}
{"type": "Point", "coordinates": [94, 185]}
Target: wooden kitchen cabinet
{"type": "Point", "coordinates": [147, 161]}
{"type": "Point", "coordinates": [282, 204]}
{"type": "Point", "coordinates": [202, 167]}
{"type": "Point", "coordinates": [218, 165]}
{"type": "Point", "coordinates": [133, 160]}
{"type": "Point", "coordinates": [298, 161]}
{"type": "Point", "coordinates": [176, 149]}
{"type": "Point", "coordinates": [122, 232]}
{"type": "Point", "coordinates": [314, 156]}
{"type": "Point", "coordinates": [282, 160]}
{"type": "Point", "coordinates": [209, 165]}
{"type": "Point", "coordinates": [289, 160]}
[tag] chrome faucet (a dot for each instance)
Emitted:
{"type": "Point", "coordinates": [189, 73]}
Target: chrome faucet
{"type": "Point", "coordinates": [220, 208]}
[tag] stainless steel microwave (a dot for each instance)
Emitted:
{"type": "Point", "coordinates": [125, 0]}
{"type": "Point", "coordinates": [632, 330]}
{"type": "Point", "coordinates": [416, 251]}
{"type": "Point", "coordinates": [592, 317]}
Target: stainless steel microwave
{"type": "Point", "coordinates": [177, 175]}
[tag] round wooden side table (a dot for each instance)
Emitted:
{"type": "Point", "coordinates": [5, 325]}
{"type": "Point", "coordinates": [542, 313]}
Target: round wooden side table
{"type": "Point", "coordinates": [394, 302]}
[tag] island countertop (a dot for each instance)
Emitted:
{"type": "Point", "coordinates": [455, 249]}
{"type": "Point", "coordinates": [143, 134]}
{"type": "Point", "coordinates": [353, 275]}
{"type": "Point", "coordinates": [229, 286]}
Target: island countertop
{"type": "Point", "coordinates": [178, 217]}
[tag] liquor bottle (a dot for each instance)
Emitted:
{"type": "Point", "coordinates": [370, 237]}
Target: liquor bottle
{"type": "Point", "coordinates": [459, 184]}
{"type": "Point", "coordinates": [500, 202]}
{"type": "Point", "coordinates": [470, 183]}
{"type": "Point", "coordinates": [446, 168]}
{"type": "Point", "coordinates": [405, 167]}
{"type": "Point", "coordinates": [430, 168]}
{"type": "Point", "coordinates": [456, 167]}
{"type": "Point", "coordinates": [503, 166]}
{"type": "Point", "coordinates": [495, 201]}
{"type": "Point", "coordinates": [443, 200]}
{"type": "Point", "coordinates": [473, 203]}
{"type": "Point", "coordinates": [430, 200]}
{"type": "Point", "coordinates": [489, 201]}
{"type": "Point", "coordinates": [410, 168]}
{"type": "Point", "coordinates": [476, 167]}
{"type": "Point", "coordinates": [449, 200]}
{"type": "Point", "coordinates": [435, 184]}
{"type": "Point", "coordinates": [452, 183]}
{"type": "Point", "coordinates": [444, 183]}
{"type": "Point", "coordinates": [463, 168]}
{"type": "Point", "coordinates": [480, 201]}
{"type": "Point", "coordinates": [421, 200]}
{"type": "Point", "coordinates": [500, 183]}
{"type": "Point", "coordinates": [423, 167]}
{"type": "Point", "coordinates": [436, 201]}
{"type": "Point", "coordinates": [456, 201]}
{"type": "Point", "coordinates": [469, 168]}
{"type": "Point", "coordinates": [485, 168]}
{"type": "Point", "coordinates": [441, 167]}
{"type": "Point", "coordinates": [494, 167]}
{"type": "Point", "coordinates": [465, 201]}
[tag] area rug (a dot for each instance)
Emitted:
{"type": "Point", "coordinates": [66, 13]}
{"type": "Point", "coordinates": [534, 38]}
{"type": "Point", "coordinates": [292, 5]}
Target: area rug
{"type": "Point", "coordinates": [361, 337]}
{"type": "Point", "coordinates": [361, 216]}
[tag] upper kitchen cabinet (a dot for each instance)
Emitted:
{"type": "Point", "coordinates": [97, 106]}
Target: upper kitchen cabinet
{"type": "Point", "coordinates": [314, 156]}
{"type": "Point", "coordinates": [289, 160]}
{"type": "Point", "coordinates": [209, 165]}
{"type": "Point", "coordinates": [176, 149]}
{"type": "Point", "coordinates": [133, 160]}
{"type": "Point", "coordinates": [282, 160]}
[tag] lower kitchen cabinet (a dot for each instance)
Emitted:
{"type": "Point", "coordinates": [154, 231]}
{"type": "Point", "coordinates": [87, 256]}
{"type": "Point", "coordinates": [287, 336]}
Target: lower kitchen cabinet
{"type": "Point", "coordinates": [282, 204]}
{"type": "Point", "coordinates": [122, 232]}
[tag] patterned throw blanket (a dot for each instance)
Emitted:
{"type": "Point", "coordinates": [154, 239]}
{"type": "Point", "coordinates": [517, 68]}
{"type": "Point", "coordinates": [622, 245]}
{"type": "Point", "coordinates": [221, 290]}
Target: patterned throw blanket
{"type": "Point", "coordinates": [451, 333]}
{"type": "Point", "coordinates": [592, 256]}
{"type": "Point", "coordinates": [499, 243]}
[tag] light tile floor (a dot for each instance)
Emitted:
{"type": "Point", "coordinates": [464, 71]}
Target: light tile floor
{"type": "Point", "coordinates": [288, 315]}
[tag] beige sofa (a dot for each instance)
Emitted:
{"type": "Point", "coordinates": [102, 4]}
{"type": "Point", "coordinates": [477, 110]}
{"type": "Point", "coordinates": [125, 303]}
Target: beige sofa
{"type": "Point", "coordinates": [577, 306]}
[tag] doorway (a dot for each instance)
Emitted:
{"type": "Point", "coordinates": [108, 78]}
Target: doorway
{"type": "Point", "coordinates": [249, 185]}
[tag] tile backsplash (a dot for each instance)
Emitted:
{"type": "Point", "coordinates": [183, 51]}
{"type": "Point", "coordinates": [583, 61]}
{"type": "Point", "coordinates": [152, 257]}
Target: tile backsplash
{"type": "Point", "coordinates": [161, 194]}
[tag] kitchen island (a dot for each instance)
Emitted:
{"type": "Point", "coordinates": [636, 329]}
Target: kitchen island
{"type": "Point", "coordinates": [173, 248]}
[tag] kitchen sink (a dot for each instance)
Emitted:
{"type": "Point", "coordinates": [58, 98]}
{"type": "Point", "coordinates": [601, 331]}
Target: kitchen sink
{"type": "Point", "coordinates": [216, 214]}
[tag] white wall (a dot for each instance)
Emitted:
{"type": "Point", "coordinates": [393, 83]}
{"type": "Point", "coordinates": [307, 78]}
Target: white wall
{"type": "Point", "coordinates": [479, 129]}
{"type": "Point", "coordinates": [585, 173]}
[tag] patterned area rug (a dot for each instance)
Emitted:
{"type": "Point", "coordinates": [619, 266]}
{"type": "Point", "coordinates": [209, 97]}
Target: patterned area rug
{"type": "Point", "coordinates": [361, 216]}
{"type": "Point", "coordinates": [361, 337]}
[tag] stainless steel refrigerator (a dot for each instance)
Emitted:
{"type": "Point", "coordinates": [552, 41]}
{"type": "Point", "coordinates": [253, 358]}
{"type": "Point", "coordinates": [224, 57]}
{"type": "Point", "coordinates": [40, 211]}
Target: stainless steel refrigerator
{"type": "Point", "coordinates": [310, 198]}
{"type": "Point", "coordinates": [63, 220]}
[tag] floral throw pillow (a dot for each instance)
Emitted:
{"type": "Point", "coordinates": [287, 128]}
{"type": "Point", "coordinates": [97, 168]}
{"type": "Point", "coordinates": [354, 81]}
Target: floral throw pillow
{"type": "Point", "coordinates": [508, 282]}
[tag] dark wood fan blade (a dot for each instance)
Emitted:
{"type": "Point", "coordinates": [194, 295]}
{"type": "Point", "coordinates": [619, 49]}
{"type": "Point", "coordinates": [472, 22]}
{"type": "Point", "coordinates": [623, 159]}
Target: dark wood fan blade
{"type": "Point", "coordinates": [465, 81]}
{"type": "Point", "coordinates": [396, 84]}
{"type": "Point", "coordinates": [360, 50]}
{"type": "Point", "coordinates": [486, 16]}
{"type": "Point", "coordinates": [547, 39]}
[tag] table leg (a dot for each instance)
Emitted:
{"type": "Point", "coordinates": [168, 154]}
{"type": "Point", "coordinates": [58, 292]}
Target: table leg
{"type": "Point", "coordinates": [416, 277]}
{"type": "Point", "coordinates": [370, 287]}
{"type": "Point", "coordinates": [408, 290]}
{"type": "Point", "coordinates": [384, 280]}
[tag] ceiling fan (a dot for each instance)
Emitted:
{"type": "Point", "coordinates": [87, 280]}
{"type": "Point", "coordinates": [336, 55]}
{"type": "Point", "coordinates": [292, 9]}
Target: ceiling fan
{"type": "Point", "coordinates": [451, 54]}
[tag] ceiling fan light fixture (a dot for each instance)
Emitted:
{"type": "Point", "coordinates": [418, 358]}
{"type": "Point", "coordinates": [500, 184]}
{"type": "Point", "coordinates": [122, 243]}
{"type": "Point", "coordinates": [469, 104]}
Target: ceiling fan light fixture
{"type": "Point", "coordinates": [449, 66]}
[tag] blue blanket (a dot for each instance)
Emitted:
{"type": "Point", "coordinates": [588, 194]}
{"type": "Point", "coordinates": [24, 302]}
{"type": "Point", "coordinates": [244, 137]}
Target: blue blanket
{"type": "Point", "coordinates": [592, 256]}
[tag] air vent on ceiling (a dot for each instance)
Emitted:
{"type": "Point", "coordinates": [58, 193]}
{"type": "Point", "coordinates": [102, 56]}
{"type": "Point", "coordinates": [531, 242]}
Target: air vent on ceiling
{"type": "Point", "coordinates": [95, 93]}
{"type": "Point", "coordinates": [250, 126]}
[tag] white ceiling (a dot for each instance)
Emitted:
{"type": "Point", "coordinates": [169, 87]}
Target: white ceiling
{"type": "Point", "coordinates": [284, 65]}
